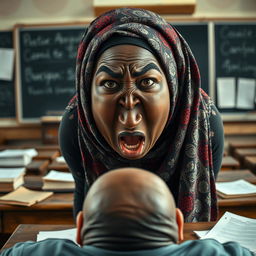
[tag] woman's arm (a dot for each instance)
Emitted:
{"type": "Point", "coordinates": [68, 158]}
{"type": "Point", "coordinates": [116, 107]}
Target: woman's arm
{"type": "Point", "coordinates": [216, 126]}
{"type": "Point", "coordinates": [68, 141]}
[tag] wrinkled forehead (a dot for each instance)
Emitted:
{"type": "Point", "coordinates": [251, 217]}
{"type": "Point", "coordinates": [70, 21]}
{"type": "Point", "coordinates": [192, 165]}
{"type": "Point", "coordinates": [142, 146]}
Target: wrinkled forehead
{"type": "Point", "coordinates": [128, 54]}
{"type": "Point", "coordinates": [119, 56]}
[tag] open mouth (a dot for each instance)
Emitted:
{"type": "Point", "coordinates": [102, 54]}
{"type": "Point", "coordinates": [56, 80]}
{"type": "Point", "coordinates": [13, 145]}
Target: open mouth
{"type": "Point", "coordinates": [131, 143]}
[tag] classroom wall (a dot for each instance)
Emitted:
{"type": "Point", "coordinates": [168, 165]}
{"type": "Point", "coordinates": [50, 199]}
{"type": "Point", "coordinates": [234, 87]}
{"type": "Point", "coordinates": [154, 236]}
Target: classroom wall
{"type": "Point", "coordinates": [47, 11]}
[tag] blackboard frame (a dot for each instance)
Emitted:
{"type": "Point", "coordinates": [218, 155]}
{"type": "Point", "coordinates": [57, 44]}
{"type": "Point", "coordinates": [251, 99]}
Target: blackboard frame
{"type": "Point", "coordinates": [10, 119]}
{"type": "Point", "coordinates": [23, 27]}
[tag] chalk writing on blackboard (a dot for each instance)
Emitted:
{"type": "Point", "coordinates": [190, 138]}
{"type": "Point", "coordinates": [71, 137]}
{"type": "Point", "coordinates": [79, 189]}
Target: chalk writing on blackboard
{"type": "Point", "coordinates": [235, 51]}
{"type": "Point", "coordinates": [47, 68]}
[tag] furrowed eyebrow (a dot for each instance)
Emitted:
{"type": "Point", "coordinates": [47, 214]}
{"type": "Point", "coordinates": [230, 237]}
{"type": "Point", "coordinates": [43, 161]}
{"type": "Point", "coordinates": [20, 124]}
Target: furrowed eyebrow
{"type": "Point", "coordinates": [109, 72]}
{"type": "Point", "coordinates": [136, 73]}
{"type": "Point", "coordinates": [146, 68]}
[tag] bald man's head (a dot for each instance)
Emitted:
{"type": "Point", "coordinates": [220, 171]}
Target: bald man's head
{"type": "Point", "coordinates": [129, 209]}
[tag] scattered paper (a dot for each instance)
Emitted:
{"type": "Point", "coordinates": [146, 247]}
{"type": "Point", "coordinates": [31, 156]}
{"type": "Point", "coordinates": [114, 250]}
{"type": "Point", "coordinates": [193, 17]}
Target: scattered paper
{"type": "Point", "coordinates": [6, 64]}
{"type": "Point", "coordinates": [201, 233]}
{"type": "Point", "coordinates": [59, 176]}
{"type": "Point", "coordinates": [61, 234]}
{"type": "Point", "coordinates": [60, 159]}
{"type": "Point", "coordinates": [232, 227]}
{"type": "Point", "coordinates": [238, 187]}
{"type": "Point", "coordinates": [226, 92]}
{"type": "Point", "coordinates": [7, 174]}
{"type": "Point", "coordinates": [245, 93]}
{"type": "Point", "coordinates": [18, 152]}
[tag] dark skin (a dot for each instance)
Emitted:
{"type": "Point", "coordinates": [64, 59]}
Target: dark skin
{"type": "Point", "coordinates": [130, 99]}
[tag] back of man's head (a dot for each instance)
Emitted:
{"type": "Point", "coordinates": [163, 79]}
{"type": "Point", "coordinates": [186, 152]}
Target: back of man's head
{"type": "Point", "coordinates": [129, 209]}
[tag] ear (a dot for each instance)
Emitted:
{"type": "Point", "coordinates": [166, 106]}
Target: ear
{"type": "Point", "coordinates": [180, 223]}
{"type": "Point", "coordinates": [79, 225]}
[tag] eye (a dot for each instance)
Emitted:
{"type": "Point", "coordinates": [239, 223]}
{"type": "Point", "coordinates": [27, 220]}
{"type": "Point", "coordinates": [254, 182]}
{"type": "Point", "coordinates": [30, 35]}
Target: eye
{"type": "Point", "coordinates": [109, 84]}
{"type": "Point", "coordinates": [147, 83]}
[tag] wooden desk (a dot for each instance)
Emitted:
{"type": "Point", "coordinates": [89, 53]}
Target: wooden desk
{"type": "Point", "coordinates": [242, 144]}
{"type": "Point", "coordinates": [29, 232]}
{"type": "Point", "coordinates": [57, 209]}
{"type": "Point", "coordinates": [47, 155]}
{"type": "Point", "coordinates": [58, 166]}
{"type": "Point", "coordinates": [242, 206]}
{"type": "Point", "coordinates": [229, 162]}
{"type": "Point", "coordinates": [231, 175]}
{"type": "Point", "coordinates": [241, 153]}
{"type": "Point", "coordinates": [250, 163]}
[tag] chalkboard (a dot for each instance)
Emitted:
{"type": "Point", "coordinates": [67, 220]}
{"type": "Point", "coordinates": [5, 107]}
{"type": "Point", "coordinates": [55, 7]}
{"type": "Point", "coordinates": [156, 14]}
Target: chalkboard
{"type": "Point", "coordinates": [7, 92]}
{"type": "Point", "coordinates": [235, 55]}
{"type": "Point", "coordinates": [46, 63]}
{"type": "Point", "coordinates": [196, 36]}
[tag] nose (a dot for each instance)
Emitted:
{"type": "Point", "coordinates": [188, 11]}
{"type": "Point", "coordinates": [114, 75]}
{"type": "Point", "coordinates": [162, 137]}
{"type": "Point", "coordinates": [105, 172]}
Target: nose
{"type": "Point", "coordinates": [129, 115]}
{"type": "Point", "coordinates": [129, 100]}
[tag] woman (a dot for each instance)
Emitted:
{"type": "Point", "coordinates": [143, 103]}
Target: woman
{"type": "Point", "coordinates": [139, 103]}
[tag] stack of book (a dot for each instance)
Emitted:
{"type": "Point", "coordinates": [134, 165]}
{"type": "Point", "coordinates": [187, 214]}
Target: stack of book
{"type": "Point", "coordinates": [235, 189]}
{"type": "Point", "coordinates": [58, 181]}
{"type": "Point", "coordinates": [11, 178]}
{"type": "Point", "coordinates": [16, 157]}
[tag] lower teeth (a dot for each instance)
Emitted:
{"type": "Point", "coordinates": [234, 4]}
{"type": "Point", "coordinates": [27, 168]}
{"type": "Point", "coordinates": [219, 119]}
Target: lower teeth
{"type": "Point", "coordinates": [133, 147]}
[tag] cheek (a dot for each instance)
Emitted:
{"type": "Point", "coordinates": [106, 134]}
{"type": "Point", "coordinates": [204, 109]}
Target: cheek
{"type": "Point", "coordinates": [103, 110]}
{"type": "Point", "coordinates": [157, 112]}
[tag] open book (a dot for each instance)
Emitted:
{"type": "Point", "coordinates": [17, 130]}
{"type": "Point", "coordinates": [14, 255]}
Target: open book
{"type": "Point", "coordinates": [11, 178]}
{"type": "Point", "coordinates": [234, 189]}
{"type": "Point", "coordinates": [16, 157]}
{"type": "Point", "coordinates": [58, 181]}
{"type": "Point", "coordinates": [25, 197]}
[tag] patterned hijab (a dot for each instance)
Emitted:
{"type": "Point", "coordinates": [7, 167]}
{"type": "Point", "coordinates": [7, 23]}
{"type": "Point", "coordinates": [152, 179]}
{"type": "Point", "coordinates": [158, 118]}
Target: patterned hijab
{"type": "Point", "coordinates": [182, 156]}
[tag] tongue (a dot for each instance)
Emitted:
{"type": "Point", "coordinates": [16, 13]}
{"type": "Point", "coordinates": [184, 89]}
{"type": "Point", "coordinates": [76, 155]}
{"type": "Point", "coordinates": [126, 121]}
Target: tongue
{"type": "Point", "coordinates": [131, 140]}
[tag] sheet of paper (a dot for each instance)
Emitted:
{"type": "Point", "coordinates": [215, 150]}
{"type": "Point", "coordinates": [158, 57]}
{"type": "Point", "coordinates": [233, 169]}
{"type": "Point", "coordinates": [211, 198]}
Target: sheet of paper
{"type": "Point", "coordinates": [6, 64]}
{"type": "Point", "coordinates": [245, 93]}
{"type": "Point", "coordinates": [201, 233]}
{"type": "Point", "coordinates": [59, 176]}
{"type": "Point", "coordinates": [226, 92]}
{"type": "Point", "coordinates": [18, 152]}
{"type": "Point", "coordinates": [7, 173]}
{"type": "Point", "coordinates": [61, 234]}
{"type": "Point", "coordinates": [236, 187]}
{"type": "Point", "coordinates": [232, 227]}
{"type": "Point", "coordinates": [60, 159]}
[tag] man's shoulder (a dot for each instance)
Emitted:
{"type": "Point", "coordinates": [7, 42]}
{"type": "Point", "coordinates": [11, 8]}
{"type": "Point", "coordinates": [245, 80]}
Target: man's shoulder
{"type": "Point", "coordinates": [46, 247]}
{"type": "Point", "coordinates": [212, 247]}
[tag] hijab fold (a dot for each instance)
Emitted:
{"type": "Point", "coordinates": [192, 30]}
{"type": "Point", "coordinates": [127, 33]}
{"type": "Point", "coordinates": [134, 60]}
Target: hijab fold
{"type": "Point", "coordinates": [182, 156]}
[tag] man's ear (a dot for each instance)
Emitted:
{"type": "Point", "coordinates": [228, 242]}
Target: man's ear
{"type": "Point", "coordinates": [180, 223]}
{"type": "Point", "coordinates": [79, 225]}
